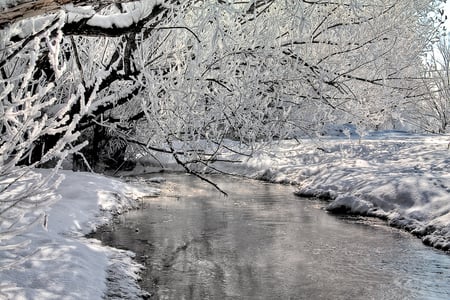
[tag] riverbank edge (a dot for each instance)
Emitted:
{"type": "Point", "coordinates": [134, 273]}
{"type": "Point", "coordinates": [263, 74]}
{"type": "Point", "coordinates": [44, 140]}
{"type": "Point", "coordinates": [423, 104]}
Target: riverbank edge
{"type": "Point", "coordinates": [64, 263]}
{"type": "Point", "coordinates": [394, 176]}
{"type": "Point", "coordinates": [122, 284]}
{"type": "Point", "coordinates": [328, 196]}
{"type": "Point", "coordinates": [427, 233]}
{"type": "Point", "coordinates": [341, 203]}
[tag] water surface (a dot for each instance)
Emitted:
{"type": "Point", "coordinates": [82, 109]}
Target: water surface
{"type": "Point", "coordinates": [262, 242]}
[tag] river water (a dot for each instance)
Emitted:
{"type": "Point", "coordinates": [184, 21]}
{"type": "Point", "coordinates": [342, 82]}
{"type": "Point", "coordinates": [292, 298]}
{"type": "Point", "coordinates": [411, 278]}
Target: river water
{"type": "Point", "coordinates": [262, 242]}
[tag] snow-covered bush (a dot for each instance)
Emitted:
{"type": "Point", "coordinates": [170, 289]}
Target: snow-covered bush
{"type": "Point", "coordinates": [34, 124]}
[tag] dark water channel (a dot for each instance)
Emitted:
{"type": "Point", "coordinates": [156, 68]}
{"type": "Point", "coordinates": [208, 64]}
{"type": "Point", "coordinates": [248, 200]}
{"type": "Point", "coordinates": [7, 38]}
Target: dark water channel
{"type": "Point", "coordinates": [262, 242]}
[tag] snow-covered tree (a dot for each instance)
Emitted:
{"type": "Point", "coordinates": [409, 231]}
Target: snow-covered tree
{"type": "Point", "coordinates": [168, 71]}
{"type": "Point", "coordinates": [260, 70]}
{"type": "Point", "coordinates": [35, 128]}
{"type": "Point", "coordinates": [432, 112]}
{"type": "Point", "coordinates": [326, 61]}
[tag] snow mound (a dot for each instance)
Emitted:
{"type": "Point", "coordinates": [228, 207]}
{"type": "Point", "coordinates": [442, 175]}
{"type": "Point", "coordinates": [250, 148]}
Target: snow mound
{"type": "Point", "coordinates": [397, 176]}
{"type": "Point", "coordinates": [65, 264]}
{"type": "Point", "coordinates": [400, 177]}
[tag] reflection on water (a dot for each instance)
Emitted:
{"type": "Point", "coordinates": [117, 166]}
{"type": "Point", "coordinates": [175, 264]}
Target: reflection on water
{"type": "Point", "coordinates": [262, 242]}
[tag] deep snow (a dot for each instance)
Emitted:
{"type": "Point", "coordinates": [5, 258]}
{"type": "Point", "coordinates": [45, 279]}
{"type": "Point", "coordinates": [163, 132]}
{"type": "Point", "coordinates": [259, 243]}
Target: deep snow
{"type": "Point", "coordinates": [67, 265]}
{"type": "Point", "coordinates": [400, 177]}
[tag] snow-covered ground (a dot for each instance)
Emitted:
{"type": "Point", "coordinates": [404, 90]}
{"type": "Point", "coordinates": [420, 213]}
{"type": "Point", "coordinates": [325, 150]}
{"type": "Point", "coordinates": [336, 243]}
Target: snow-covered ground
{"type": "Point", "coordinates": [66, 265]}
{"type": "Point", "coordinates": [400, 177]}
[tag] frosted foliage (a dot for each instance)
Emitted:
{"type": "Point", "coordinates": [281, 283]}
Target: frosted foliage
{"type": "Point", "coordinates": [275, 69]}
{"type": "Point", "coordinates": [432, 112]}
{"type": "Point", "coordinates": [30, 112]}
{"type": "Point", "coordinates": [248, 71]}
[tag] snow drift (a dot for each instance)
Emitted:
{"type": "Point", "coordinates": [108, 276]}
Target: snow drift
{"type": "Point", "coordinates": [392, 175]}
{"type": "Point", "coordinates": [65, 264]}
{"type": "Point", "coordinates": [401, 178]}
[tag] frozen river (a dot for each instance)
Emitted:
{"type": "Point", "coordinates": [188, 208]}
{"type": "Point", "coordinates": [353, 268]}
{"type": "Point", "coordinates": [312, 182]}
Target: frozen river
{"type": "Point", "coordinates": [262, 242]}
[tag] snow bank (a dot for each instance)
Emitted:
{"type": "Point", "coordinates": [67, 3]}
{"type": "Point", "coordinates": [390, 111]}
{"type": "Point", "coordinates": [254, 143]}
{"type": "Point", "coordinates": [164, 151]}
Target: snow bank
{"type": "Point", "coordinates": [66, 265]}
{"type": "Point", "coordinates": [397, 176]}
{"type": "Point", "coordinates": [400, 177]}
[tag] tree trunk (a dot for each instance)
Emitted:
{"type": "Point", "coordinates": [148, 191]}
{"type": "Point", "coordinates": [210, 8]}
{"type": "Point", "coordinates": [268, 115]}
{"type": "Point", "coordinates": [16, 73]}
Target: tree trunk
{"type": "Point", "coordinates": [28, 9]}
{"type": "Point", "coordinates": [32, 8]}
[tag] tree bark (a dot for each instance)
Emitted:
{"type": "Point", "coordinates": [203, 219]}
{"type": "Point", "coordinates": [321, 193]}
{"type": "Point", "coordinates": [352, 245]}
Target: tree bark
{"type": "Point", "coordinates": [32, 8]}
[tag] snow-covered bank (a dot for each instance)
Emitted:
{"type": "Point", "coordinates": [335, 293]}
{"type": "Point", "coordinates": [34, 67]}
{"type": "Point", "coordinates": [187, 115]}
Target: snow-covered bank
{"type": "Point", "coordinates": [67, 265]}
{"type": "Point", "coordinates": [403, 178]}
{"type": "Point", "coordinates": [400, 177]}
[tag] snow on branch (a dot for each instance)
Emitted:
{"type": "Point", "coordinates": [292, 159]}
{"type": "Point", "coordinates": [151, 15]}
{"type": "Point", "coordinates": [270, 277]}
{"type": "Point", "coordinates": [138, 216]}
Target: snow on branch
{"type": "Point", "coordinates": [36, 130]}
{"type": "Point", "coordinates": [12, 11]}
{"type": "Point", "coordinates": [137, 11]}
{"type": "Point", "coordinates": [132, 17]}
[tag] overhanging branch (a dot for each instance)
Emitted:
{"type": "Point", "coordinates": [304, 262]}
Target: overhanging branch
{"type": "Point", "coordinates": [10, 14]}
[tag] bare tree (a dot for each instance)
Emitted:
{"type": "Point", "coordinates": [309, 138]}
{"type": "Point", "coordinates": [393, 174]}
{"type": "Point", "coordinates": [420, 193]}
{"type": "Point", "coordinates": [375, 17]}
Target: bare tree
{"type": "Point", "coordinates": [432, 112]}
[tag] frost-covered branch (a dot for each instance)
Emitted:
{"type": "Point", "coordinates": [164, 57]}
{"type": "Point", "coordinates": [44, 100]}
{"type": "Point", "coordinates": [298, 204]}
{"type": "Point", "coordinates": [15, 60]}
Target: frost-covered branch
{"type": "Point", "coordinates": [35, 131]}
{"type": "Point", "coordinates": [133, 18]}
{"type": "Point", "coordinates": [12, 11]}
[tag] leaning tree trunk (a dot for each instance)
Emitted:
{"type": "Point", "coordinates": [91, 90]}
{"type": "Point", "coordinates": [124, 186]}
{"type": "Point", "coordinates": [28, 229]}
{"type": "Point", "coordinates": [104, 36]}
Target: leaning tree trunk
{"type": "Point", "coordinates": [30, 8]}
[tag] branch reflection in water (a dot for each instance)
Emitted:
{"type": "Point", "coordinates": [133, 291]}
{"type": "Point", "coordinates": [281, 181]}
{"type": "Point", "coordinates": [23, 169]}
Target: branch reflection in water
{"type": "Point", "coordinates": [262, 242]}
